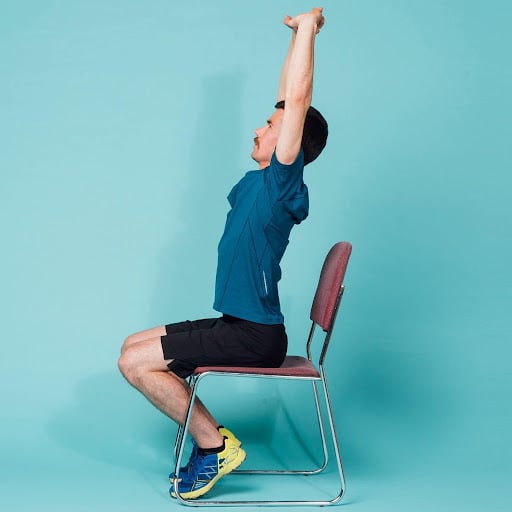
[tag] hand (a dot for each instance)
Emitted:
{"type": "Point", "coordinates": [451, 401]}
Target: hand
{"type": "Point", "coordinates": [314, 15]}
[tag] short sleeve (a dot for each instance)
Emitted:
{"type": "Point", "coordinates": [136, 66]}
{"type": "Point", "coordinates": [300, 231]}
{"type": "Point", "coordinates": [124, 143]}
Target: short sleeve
{"type": "Point", "coordinates": [285, 180]}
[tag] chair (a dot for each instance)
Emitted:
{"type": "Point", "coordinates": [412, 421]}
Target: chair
{"type": "Point", "coordinates": [323, 313]}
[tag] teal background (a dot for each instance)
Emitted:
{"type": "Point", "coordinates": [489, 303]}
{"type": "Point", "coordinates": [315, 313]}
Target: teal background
{"type": "Point", "coordinates": [123, 125]}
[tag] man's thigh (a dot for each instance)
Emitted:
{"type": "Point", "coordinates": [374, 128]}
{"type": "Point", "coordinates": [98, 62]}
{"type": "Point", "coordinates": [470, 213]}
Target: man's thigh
{"type": "Point", "coordinates": [148, 334]}
{"type": "Point", "coordinates": [189, 338]}
{"type": "Point", "coordinates": [186, 344]}
{"type": "Point", "coordinates": [147, 348]}
{"type": "Point", "coordinates": [190, 325]}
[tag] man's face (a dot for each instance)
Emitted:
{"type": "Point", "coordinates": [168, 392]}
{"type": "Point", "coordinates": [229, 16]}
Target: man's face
{"type": "Point", "coordinates": [266, 139]}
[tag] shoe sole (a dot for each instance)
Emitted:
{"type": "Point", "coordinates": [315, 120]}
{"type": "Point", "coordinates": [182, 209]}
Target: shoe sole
{"type": "Point", "coordinates": [224, 471]}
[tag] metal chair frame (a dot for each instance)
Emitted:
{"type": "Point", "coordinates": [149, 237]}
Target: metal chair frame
{"type": "Point", "coordinates": [320, 377]}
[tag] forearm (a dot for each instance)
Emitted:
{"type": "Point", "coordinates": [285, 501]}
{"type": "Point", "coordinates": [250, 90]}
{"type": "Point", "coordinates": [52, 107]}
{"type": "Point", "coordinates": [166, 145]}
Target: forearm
{"type": "Point", "coordinates": [298, 85]}
{"type": "Point", "coordinates": [284, 72]}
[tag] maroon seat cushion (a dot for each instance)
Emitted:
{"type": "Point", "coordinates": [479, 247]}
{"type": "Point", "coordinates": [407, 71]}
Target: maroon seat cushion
{"type": "Point", "coordinates": [293, 366]}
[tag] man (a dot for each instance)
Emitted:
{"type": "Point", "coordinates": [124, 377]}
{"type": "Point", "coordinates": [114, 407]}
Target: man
{"type": "Point", "coordinates": [265, 205]}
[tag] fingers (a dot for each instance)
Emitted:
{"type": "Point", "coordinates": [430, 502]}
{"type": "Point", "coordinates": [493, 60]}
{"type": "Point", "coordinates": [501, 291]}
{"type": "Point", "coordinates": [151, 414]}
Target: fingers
{"type": "Point", "coordinates": [289, 22]}
{"type": "Point", "coordinates": [315, 13]}
{"type": "Point", "coordinates": [320, 20]}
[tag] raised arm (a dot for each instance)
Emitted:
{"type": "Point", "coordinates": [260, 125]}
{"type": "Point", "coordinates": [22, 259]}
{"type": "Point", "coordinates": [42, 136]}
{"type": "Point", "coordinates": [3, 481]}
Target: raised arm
{"type": "Point", "coordinates": [296, 83]}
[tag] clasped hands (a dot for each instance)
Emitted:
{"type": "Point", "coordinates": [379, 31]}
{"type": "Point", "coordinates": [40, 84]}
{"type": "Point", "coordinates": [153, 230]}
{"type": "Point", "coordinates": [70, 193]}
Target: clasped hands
{"type": "Point", "coordinates": [315, 16]}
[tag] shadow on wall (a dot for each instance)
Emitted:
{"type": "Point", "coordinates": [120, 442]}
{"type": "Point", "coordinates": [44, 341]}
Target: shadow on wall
{"type": "Point", "coordinates": [108, 421]}
{"type": "Point", "coordinates": [394, 396]}
{"type": "Point", "coordinates": [185, 284]}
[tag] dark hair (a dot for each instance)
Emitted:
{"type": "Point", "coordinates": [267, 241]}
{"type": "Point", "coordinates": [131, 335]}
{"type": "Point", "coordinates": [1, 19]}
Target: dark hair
{"type": "Point", "coordinates": [314, 136]}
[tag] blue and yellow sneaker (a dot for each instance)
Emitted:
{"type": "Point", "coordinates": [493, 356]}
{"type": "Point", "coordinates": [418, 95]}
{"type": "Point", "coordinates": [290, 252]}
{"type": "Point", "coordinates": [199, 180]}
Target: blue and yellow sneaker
{"type": "Point", "coordinates": [184, 470]}
{"type": "Point", "coordinates": [206, 470]}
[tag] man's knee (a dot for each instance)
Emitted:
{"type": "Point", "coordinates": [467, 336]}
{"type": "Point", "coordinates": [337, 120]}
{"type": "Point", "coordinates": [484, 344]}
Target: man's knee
{"type": "Point", "coordinates": [137, 359]}
{"type": "Point", "coordinates": [130, 340]}
{"type": "Point", "coordinates": [128, 363]}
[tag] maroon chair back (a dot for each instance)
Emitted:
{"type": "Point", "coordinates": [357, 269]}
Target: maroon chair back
{"type": "Point", "coordinates": [329, 285]}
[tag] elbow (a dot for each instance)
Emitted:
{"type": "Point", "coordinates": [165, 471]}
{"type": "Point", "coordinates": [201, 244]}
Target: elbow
{"type": "Point", "coordinates": [298, 99]}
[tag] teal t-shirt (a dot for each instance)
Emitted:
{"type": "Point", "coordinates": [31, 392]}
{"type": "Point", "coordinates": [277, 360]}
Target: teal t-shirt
{"type": "Point", "coordinates": [265, 205]}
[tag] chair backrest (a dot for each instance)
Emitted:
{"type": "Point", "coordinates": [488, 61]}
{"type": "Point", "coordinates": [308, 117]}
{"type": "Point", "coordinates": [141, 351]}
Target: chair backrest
{"type": "Point", "coordinates": [330, 284]}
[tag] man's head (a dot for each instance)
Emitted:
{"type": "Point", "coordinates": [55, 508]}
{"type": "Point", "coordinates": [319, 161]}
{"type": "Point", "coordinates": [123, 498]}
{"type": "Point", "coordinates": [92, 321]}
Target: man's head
{"type": "Point", "coordinates": [314, 136]}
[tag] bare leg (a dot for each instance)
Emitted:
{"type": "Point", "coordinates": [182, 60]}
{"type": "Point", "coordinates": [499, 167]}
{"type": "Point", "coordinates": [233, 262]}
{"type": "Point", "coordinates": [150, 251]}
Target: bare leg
{"type": "Point", "coordinates": [156, 332]}
{"type": "Point", "coordinates": [144, 367]}
{"type": "Point", "coordinates": [148, 334]}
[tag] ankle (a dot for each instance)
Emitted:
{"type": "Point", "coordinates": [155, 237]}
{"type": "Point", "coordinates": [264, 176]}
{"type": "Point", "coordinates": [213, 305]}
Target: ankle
{"type": "Point", "coordinates": [216, 449]}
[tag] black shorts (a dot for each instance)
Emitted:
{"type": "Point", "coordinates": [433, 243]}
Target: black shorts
{"type": "Point", "coordinates": [224, 341]}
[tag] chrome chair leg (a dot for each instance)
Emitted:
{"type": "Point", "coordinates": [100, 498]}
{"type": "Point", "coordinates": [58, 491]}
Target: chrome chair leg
{"type": "Point", "coordinates": [334, 435]}
{"type": "Point", "coordinates": [181, 439]}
